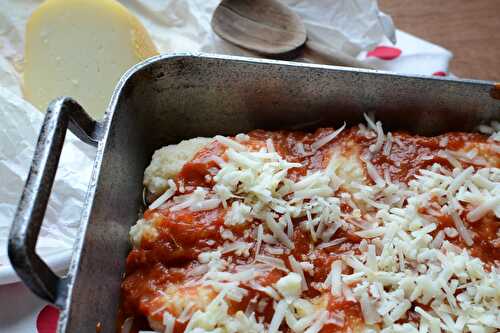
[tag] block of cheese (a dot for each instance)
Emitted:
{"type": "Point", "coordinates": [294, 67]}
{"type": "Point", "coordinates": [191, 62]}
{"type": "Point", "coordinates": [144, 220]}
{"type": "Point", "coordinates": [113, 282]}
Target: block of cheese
{"type": "Point", "coordinates": [81, 48]}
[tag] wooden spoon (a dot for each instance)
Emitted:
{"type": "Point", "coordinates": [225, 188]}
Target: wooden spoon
{"type": "Point", "coordinates": [269, 28]}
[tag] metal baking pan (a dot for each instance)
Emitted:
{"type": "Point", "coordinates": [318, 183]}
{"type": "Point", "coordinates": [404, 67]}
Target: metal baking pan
{"type": "Point", "coordinates": [172, 97]}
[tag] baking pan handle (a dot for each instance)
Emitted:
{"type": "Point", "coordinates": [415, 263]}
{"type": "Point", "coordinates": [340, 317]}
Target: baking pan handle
{"type": "Point", "coordinates": [62, 113]}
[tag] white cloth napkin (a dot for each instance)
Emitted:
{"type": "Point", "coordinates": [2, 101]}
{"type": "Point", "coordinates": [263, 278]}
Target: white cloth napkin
{"type": "Point", "coordinates": [410, 55]}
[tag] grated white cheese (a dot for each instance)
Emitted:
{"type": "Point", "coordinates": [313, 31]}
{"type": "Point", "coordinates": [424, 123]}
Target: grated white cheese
{"type": "Point", "coordinates": [318, 324]}
{"type": "Point", "coordinates": [238, 214]}
{"type": "Point", "coordinates": [380, 138]}
{"type": "Point", "coordinates": [326, 139]}
{"type": "Point", "coordinates": [230, 143]}
{"type": "Point", "coordinates": [396, 269]}
{"type": "Point", "coordinates": [208, 204]}
{"type": "Point", "coordinates": [279, 315]}
{"type": "Point", "coordinates": [484, 208]}
{"type": "Point", "coordinates": [462, 231]}
{"type": "Point", "coordinates": [169, 322]}
{"type": "Point", "coordinates": [336, 282]}
{"type": "Point", "coordinates": [370, 121]}
{"type": "Point", "coordinates": [373, 173]}
{"type": "Point", "coordinates": [388, 144]}
{"type": "Point", "coordinates": [195, 201]}
{"type": "Point", "coordinates": [165, 196]}
{"type": "Point", "coordinates": [241, 137]}
{"type": "Point", "coordinates": [275, 262]}
{"type": "Point", "coordinates": [297, 268]}
{"type": "Point", "coordinates": [334, 242]}
{"type": "Point", "coordinates": [278, 231]}
{"type": "Point", "coordinates": [289, 286]}
{"type": "Point", "coordinates": [260, 235]}
{"type": "Point", "coordinates": [270, 146]}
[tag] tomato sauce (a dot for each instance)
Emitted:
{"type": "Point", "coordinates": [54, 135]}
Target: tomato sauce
{"type": "Point", "coordinates": [483, 231]}
{"type": "Point", "coordinates": [411, 153]}
{"type": "Point", "coordinates": [168, 258]}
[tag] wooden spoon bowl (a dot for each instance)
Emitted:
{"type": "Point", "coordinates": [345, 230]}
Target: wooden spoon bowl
{"type": "Point", "coordinates": [271, 29]}
{"type": "Point", "coordinates": [265, 26]}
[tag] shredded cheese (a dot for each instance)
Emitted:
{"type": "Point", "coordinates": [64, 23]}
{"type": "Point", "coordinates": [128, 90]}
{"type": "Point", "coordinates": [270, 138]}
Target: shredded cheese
{"type": "Point", "coordinates": [403, 264]}
{"type": "Point", "coordinates": [325, 140]}
{"type": "Point", "coordinates": [165, 196]}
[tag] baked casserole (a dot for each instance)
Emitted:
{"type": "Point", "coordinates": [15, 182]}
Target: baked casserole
{"type": "Point", "coordinates": [339, 230]}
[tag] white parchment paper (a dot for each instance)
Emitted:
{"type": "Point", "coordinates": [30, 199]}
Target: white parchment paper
{"type": "Point", "coordinates": [348, 25]}
{"type": "Point", "coordinates": [176, 26]}
{"type": "Point", "coordinates": [21, 123]}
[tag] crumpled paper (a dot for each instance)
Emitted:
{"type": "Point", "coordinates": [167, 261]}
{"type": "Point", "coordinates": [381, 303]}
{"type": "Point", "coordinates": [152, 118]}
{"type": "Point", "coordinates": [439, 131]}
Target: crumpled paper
{"type": "Point", "coordinates": [351, 26]}
{"type": "Point", "coordinates": [19, 130]}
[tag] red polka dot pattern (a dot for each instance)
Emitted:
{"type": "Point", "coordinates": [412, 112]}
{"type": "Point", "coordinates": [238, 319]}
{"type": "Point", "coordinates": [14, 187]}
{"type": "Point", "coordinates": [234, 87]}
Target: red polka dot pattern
{"type": "Point", "coordinates": [46, 322]}
{"type": "Point", "coordinates": [385, 52]}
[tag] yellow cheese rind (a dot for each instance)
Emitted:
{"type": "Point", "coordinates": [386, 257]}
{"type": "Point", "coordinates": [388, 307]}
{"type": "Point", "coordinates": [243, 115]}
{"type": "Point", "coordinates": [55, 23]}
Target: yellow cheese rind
{"type": "Point", "coordinates": [81, 48]}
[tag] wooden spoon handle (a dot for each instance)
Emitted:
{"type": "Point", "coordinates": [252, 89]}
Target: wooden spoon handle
{"type": "Point", "coordinates": [336, 57]}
